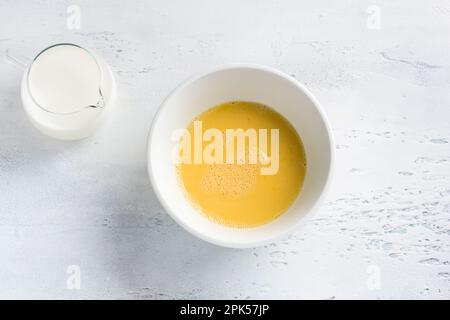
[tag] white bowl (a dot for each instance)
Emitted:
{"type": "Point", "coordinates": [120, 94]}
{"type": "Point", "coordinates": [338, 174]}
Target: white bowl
{"type": "Point", "coordinates": [246, 83]}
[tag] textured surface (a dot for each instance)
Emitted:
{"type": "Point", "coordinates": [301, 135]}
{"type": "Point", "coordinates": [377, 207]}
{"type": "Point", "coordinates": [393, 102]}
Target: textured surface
{"type": "Point", "coordinates": [87, 208]}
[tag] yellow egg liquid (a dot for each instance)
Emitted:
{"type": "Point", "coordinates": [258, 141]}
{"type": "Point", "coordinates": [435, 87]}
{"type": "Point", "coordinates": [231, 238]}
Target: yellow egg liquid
{"type": "Point", "coordinates": [238, 194]}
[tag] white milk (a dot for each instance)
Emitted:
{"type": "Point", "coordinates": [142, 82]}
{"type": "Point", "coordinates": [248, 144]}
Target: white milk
{"type": "Point", "coordinates": [66, 91]}
{"type": "Point", "coordinates": [64, 79]}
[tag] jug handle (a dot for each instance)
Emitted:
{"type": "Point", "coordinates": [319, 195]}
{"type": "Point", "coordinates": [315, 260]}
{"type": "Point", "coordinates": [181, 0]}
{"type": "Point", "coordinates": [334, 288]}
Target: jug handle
{"type": "Point", "coordinates": [16, 59]}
